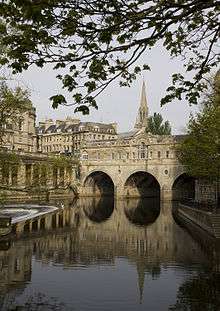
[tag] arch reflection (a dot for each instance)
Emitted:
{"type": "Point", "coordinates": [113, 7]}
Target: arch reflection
{"type": "Point", "coordinates": [142, 212]}
{"type": "Point", "coordinates": [98, 209]}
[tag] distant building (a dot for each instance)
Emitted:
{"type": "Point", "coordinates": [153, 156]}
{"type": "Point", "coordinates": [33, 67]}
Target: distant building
{"type": "Point", "coordinates": [67, 136]}
{"type": "Point", "coordinates": [21, 136]}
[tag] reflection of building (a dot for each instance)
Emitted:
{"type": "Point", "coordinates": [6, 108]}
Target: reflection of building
{"type": "Point", "coordinates": [15, 272]}
{"type": "Point", "coordinates": [68, 135]}
{"type": "Point", "coordinates": [22, 136]}
{"type": "Point", "coordinates": [83, 235]}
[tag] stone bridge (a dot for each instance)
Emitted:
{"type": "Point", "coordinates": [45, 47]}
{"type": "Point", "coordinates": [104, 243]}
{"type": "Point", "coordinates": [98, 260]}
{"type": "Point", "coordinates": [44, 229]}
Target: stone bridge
{"type": "Point", "coordinates": [164, 178]}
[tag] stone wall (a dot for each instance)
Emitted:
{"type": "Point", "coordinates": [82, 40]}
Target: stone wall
{"type": "Point", "coordinates": [207, 191]}
{"type": "Point", "coordinates": [35, 176]}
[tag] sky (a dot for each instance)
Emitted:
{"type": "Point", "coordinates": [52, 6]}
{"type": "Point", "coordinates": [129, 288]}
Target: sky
{"type": "Point", "coordinates": [116, 104]}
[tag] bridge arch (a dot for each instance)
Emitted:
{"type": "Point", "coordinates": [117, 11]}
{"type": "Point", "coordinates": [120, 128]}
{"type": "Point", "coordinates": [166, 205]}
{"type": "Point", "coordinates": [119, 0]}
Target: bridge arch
{"type": "Point", "coordinates": [98, 183]}
{"type": "Point", "coordinates": [183, 187]}
{"type": "Point", "coordinates": [142, 184]}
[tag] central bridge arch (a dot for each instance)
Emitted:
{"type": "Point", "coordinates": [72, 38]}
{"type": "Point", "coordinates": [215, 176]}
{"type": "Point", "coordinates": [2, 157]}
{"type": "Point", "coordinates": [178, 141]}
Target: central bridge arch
{"type": "Point", "coordinates": [98, 183]}
{"type": "Point", "coordinates": [142, 184]}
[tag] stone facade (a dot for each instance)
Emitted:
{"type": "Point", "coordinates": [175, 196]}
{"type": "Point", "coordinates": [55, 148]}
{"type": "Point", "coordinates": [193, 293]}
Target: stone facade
{"type": "Point", "coordinates": [67, 136]}
{"type": "Point", "coordinates": [207, 191]}
{"type": "Point", "coordinates": [21, 136]}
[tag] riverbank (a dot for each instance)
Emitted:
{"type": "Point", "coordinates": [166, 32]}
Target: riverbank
{"type": "Point", "coordinates": [209, 221]}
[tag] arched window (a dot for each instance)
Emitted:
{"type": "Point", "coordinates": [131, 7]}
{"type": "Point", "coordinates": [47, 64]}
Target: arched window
{"type": "Point", "coordinates": [142, 151]}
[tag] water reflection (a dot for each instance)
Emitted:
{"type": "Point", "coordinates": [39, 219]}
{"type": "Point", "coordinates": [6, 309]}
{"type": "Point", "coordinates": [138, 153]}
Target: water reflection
{"type": "Point", "coordinates": [131, 251]}
{"type": "Point", "coordinates": [98, 209]}
{"type": "Point", "coordinates": [199, 293]}
{"type": "Point", "coordinates": [142, 212]}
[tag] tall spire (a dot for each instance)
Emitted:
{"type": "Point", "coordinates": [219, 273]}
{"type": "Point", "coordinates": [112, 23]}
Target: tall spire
{"type": "Point", "coordinates": [142, 116]}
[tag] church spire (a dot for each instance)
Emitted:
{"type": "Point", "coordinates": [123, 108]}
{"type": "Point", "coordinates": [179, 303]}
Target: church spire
{"type": "Point", "coordinates": [141, 120]}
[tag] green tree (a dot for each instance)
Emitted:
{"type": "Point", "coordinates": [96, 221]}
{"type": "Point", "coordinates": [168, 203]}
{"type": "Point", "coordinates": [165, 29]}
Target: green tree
{"type": "Point", "coordinates": [94, 42]}
{"type": "Point", "coordinates": [201, 292]}
{"type": "Point", "coordinates": [156, 125]}
{"type": "Point", "coordinates": [12, 104]}
{"type": "Point", "coordinates": [200, 150]}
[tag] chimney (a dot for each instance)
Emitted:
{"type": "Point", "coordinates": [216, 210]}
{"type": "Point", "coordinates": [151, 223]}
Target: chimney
{"type": "Point", "coordinates": [48, 123]}
{"type": "Point", "coordinates": [59, 122]}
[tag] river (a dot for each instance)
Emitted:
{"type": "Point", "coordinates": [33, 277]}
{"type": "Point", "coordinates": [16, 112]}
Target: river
{"type": "Point", "coordinates": [101, 254]}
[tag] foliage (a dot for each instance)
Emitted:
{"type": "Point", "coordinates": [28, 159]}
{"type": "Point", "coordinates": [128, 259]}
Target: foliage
{"type": "Point", "coordinates": [9, 157]}
{"type": "Point", "coordinates": [93, 42]}
{"type": "Point", "coordinates": [61, 161]}
{"type": "Point", "coordinates": [12, 104]}
{"type": "Point", "coordinates": [156, 125]}
{"type": "Point", "coordinates": [199, 293]}
{"type": "Point", "coordinates": [2, 199]}
{"type": "Point", "coordinates": [9, 162]}
{"type": "Point", "coordinates": [200, 151]}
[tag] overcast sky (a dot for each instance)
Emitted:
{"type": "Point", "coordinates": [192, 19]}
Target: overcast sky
{"type": "Point", "coordinates": [116, 104]}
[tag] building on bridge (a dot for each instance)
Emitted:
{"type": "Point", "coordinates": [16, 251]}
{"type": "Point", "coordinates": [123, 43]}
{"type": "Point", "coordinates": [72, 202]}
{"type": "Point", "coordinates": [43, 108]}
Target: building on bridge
{"type": "Point", "coordinates": [134, 145]}
{"type": "Point", "coordinates": [137, 163]}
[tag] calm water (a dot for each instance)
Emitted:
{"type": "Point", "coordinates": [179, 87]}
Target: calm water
{"type": "Point", "coordinates": [105, 255]}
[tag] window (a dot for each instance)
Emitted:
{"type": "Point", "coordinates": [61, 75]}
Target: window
{"type": "Point", "coordinates": [158, 154]}
{"type": "Point", "coordinates": [127, 154]}
{"type": "Point", "coordinates": [142, 151]}
{"type": "Point", "coordinates": [20, 125]}
{"type": "Point", "coordinates": [113, 156]}
{"type": "Point", "coordinates": [167, 154]}
{"type": "Point", "coordinates": [151, 154]}
{"type": "Point", "coordinates": [133, 155]}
